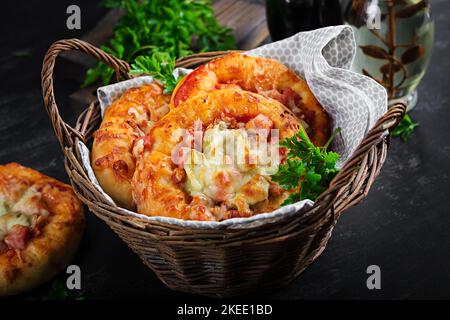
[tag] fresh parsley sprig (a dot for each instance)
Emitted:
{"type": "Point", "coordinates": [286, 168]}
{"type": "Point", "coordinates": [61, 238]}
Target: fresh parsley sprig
{"type": "Point", "coordinates": [60, 292]}
{"type": "Point", "coordinates": [405, 128]}
{"type": "Point", "coordinates": [160, 65]}
{"type": "Point", "coordinates": [176, 27]}
{"type": "Point", "coordinates": [310, 167]}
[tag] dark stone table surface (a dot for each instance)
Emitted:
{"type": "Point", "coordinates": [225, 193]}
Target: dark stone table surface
{"type": "Point", "coordinates": [403, 226]}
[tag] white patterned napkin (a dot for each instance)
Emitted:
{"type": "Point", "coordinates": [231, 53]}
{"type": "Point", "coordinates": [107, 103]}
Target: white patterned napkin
{"type": "Point", "coordinates": [323, 57]}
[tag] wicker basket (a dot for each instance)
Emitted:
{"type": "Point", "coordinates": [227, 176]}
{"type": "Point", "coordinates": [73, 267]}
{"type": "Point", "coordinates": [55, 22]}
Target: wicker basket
{"type": "Point", "coordinates": [220, 262]}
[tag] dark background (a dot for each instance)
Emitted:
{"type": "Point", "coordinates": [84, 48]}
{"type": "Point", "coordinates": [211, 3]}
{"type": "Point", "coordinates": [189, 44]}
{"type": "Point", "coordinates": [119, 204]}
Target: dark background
{"type": "Point", "coordinates": [402, 226]}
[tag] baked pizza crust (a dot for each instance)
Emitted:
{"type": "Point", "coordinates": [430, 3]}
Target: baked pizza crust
{"type": "Point", "coordinates": [125, 120]}
{"type": "Point", "coordinates": [48, 252]}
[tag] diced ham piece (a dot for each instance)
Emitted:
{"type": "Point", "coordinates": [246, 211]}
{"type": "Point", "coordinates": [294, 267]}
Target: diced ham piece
{"type": "Point", "coordinates": [18, 237]}
{"type": "Point", "coordinates": [275, 190]}
{"type": "Point", "coordinates": [290, 98]}
{"type": "Point", "coordinates": [282, 152]}
{"type": "Point", "coordinates": [178, 175]}
{"type": "Point", "coordinates": [3, 247]}
{"type": "Point", "coordinates": [259, 122]}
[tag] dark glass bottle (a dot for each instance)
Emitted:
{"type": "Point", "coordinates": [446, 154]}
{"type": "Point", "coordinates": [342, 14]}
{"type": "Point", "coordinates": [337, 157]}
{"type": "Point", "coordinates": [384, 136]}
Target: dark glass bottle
{"type": "Point", "coordinates": [287, 17]}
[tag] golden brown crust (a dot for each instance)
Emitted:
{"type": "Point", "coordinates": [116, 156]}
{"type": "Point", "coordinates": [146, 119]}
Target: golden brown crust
{"type": "Point", "coordinates": [267, 77]}
{"type": "Point", "coordinates": [49, 250]}
{"type": "Point", "coordinates": [127, 119]}
{"type": "Point", "coordinates": [154, 189]}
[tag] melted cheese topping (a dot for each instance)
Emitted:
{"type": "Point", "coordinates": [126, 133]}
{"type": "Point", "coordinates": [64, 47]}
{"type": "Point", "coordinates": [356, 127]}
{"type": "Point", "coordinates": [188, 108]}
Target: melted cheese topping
{"type": "Point", "coordinates": [233, 168]}
{"type": "Point", "coordinates": [21, 212]}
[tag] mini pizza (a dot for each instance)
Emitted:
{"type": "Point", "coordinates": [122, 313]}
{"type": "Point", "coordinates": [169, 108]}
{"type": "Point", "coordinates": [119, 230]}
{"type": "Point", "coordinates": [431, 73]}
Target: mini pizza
{"type": "Point", "coordinates": [267, 77]}
{"type": "Point", "coordinates": [201, 162]}
{"type": "Point", "coordinates": [41, 223]}
{"type": "Point", "coordinates": [125, 125]}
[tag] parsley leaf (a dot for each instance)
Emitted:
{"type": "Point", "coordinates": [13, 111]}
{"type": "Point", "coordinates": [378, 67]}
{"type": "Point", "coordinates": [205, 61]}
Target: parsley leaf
{"type": "Point", "coordinates": [160, 65]}
{"type": "Point", "coordinates": [174, 27]}
{"type": "Point", "coordinates": [59, 291]}
{"type": "Point", "coordinates": [308, 168]}
{"type": "Point", "coordinates": [405, 128]}
{"type": "Point", "coordinates": [288, 174]}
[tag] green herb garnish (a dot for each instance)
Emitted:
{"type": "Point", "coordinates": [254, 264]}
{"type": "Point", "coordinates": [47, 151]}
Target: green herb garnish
{"type": "Point", "coordinates": [313, 167]}
{"type": "Point", "coordinates": [405, 128]}
{"type": "Point", "coordinates": [60, 292]}
{"type": "Point", "coordinates": [174, 27]}
{"type": "Point", "coordinates": [21, 53]}
{"type": "Point", "coordinates": [160, 65]}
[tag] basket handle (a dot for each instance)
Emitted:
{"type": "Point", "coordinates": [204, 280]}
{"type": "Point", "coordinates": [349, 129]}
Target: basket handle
{"type": "Point", "coordinates": [351, 174]}
{"type": "Point", "coordinates": [65, 133]}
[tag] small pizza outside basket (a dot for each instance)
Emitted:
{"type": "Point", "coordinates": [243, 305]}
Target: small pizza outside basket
{"type": "Point", "coordinates": [219, 262]}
